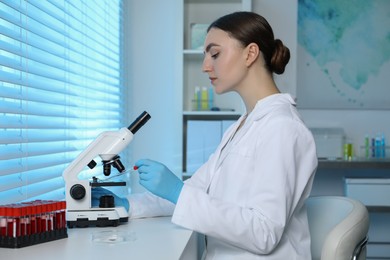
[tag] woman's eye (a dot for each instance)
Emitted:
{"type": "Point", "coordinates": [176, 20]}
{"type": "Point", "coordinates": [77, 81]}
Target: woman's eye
{"type": "Point", "coordinates": [214, 56]}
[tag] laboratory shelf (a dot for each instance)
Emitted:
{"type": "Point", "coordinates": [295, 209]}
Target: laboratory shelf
{"type": "Point", "coordinates": [211, 113]}
{"type": "Point", "coordinates": [193, 52]}
{"type": "Point", "coordinates": [355, 164]}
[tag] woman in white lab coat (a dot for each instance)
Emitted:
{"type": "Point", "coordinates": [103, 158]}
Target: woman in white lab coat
{"type": "Point", "coordinates": [248, 198]}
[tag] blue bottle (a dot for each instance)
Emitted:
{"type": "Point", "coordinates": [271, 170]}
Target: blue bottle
{"type": "Point", "coordinates": [378, 146]}
{"type": "Point", "coordinates": [383, 144]}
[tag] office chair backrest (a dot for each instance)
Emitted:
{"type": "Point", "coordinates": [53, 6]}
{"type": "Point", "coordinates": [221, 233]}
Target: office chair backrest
{"type": "Point", "coordinates": [338, 228]}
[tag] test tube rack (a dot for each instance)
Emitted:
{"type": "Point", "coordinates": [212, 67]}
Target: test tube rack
{"type": "Point", "coordinates": [30, 223]}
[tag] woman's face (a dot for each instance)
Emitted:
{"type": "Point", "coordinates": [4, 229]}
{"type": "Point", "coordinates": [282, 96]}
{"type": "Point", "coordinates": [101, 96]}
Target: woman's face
{"type": "Point", "coordinates": [224, 61]}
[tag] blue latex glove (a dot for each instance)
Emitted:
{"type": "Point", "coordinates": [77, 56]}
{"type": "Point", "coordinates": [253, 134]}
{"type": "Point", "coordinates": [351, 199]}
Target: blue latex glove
{"type": "Point", "coordinates": [159, 180]}
{"type": "Point", "coordinates": [97, 192]}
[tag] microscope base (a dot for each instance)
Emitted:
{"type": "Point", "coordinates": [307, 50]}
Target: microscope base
{"type": "Point", "coordinates": [98, 218]}
{"type": "Point", "coordinates": [81, 223]}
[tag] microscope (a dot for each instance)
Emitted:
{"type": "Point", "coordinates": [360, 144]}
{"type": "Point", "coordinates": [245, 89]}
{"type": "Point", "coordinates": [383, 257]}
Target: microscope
{"type": "Point", "coordinates": [78, 192]}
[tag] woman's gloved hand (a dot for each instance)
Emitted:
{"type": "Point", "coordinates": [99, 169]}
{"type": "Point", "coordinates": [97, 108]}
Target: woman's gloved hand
{"type": "Point", "coordinates": [159, 180]}
{"type": "Point", "coordinates": [97, 192]}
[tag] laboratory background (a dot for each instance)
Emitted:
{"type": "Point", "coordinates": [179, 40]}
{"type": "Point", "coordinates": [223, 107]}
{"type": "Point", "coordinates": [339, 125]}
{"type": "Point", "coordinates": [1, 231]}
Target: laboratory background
{"type": "Point", "coordinates": [71, 70]}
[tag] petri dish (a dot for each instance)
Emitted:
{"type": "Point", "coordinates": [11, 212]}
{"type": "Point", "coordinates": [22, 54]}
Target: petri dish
{"type": "Point", "coordinates": [113, 237]}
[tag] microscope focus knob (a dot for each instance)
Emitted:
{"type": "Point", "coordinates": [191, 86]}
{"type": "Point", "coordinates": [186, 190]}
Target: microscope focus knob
{"type": "Point", "coordinates": [107, 201]}
{"type": "Point", "coordinates": [77, 191]}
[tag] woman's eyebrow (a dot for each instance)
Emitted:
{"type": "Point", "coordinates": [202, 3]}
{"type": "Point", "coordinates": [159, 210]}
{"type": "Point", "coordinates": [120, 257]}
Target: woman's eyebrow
{"type": "Point", "coordinates": [209, 46]}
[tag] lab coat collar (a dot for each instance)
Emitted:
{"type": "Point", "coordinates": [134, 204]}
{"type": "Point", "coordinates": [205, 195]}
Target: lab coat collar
{"type": "Point", "coordinates": [267, 104]}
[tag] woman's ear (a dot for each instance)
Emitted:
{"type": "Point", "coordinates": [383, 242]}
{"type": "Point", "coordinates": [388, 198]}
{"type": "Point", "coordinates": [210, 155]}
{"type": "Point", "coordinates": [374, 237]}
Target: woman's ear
{"type": "Point", "coordinates": [252, 53]}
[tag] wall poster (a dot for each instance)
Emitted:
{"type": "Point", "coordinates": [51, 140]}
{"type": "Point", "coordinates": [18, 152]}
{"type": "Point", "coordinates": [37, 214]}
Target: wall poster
{"type": "Point", "coordinates": [343, 54]}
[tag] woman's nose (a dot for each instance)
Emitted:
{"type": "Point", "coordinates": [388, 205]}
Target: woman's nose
{"type": "Point", "coordinates": [206, 67]}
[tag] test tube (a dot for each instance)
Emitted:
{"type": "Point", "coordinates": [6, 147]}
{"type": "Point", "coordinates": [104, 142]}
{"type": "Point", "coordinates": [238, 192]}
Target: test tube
{"type": "Point", "coordinates": [17, 215]}
{"type": "Point", "coordinates": [44, 217]}
{"type": "Point", "coordinates": [23, 220]}
{"type": "Point", "coordinates": [50, 214]}
{"type": "Point", "coordinates": [55, 219]}
{"type": "Point", "coordinates": [28, 207]}
{"type": "Point", "coordinates": [3, 222]}
{"type": "Point", "coordinates": [58, 225]}
{"type": "Point", "coordinates": [33, 218]}
{"type": "Point", "coordinates": [38, 216]}
{"type": "Point", "coordinates": [8, 214]}
{"type": "Point", "coordinates": [63, 214]}
{"type": "Point", "coordinates": [13, 221]}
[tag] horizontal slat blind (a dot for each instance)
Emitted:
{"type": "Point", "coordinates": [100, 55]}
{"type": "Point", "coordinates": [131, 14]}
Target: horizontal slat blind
{"type": "Point", "coordinates": [61, 85]}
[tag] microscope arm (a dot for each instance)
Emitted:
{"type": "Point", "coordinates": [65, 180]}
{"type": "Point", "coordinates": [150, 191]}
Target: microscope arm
{"type": "Point", "coordinates": [107, 145]}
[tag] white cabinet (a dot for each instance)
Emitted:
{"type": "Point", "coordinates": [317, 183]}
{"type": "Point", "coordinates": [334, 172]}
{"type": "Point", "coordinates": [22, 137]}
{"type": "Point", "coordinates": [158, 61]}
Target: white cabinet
{"type": "Point", "coordinates": [197, 14]}
{"type": "Point", "coordinates": [370, 191]}
{"type": "Point", "coordinates": [373, 192]}
{"type": "Point", "coordinates": [203, 137]}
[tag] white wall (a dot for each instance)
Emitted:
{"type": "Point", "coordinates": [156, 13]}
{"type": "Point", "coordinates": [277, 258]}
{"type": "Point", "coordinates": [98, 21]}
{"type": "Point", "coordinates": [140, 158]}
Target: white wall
{"type": "Point", "coordinates": [282, 16]}
{"type": "Point", "coordinates": [153, 63]}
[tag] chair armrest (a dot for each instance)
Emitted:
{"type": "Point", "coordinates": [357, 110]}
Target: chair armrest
{"type": "Point", "coordinates": [359, 248]}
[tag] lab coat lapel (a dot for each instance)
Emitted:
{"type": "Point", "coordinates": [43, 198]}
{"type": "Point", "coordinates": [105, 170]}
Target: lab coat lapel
{"type": "Point", "coordinates": [223, 150]}
{"type": "Point", "coordinates": [233, 139]}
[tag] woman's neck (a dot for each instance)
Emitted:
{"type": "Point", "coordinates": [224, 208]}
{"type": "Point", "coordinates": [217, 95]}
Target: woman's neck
{"type": "Point", "coordinates": [256, 89]}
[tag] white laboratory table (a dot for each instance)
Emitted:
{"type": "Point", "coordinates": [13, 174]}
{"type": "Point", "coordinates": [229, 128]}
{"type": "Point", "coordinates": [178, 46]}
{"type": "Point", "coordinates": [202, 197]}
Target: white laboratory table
{"type": "Point", "coordinates": [153, 238]}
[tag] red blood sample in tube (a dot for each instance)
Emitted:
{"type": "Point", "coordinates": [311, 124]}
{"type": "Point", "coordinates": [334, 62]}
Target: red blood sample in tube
{"type": "Point", "coordinates": [8, 214]}
{"type": "Point", "coordinates": [43, 217]}
{"type": "Point", "coordinates": [28, 219]}
{"type": "Point", "coordinates": [17, 216]}
{"type": "Point", "coordinates": [38, 205]}
{"type": "Point", "coordinates": [3, 222]}
{"type": "Point", "coordinates": [13, 221]}
{"type": "Point", "coordinates": [58, 215]}
{"type": "Point", "coordinates": [63, 214]}
{"type": "Point", "coordinates": [23, 220]}
{"type": "Point", "coordinates": [33, 218]}
{"type": "Point", "coordinates": [51, 210]}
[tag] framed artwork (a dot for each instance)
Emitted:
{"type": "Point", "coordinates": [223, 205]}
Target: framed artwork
{"type": "Point", "coordinates": [343, 54]}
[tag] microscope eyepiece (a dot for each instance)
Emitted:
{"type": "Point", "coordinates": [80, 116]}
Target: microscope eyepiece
{"type": "Point", "coordinates": [139, 122]}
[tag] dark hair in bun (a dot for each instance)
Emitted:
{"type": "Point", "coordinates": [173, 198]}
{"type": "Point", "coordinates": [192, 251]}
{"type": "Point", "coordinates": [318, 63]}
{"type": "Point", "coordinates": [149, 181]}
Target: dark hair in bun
{"type": "Point", "coordinates": [249, 27]}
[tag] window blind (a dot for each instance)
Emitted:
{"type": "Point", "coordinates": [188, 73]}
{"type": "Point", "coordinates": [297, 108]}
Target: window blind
{"type": "Point", "coordinates": [61, 86]}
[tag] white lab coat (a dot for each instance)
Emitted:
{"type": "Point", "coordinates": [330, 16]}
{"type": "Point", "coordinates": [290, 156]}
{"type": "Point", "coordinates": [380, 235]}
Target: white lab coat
{"type": "Point", "coordinates": [249, 199]}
